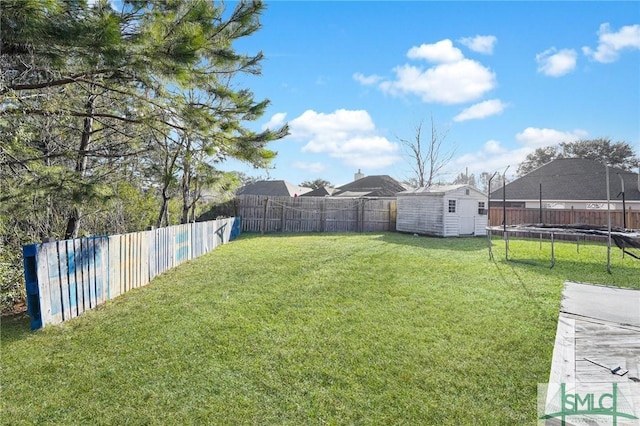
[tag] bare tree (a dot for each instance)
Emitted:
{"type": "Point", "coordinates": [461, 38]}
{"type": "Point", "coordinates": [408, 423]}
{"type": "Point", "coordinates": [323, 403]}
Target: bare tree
{"type": "Point", "coordinates": [427, 160]}
{"type": "Point", "coordinates": [497, 181]}
{"type": "Point", "coordinates": [466, 179]}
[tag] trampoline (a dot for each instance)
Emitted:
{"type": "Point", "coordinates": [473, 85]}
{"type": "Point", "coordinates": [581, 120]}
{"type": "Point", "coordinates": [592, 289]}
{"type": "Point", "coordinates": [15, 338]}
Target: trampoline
{"type": "Point", "coordinates": [626, 240]}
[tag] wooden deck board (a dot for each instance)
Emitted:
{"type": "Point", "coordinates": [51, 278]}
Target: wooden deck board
{"type": "Point", "coordinates": [563, 365]}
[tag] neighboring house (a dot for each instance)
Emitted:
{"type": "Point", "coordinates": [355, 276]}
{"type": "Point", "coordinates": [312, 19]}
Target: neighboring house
{"type": "Point", "coordinates": [370, 186]}
{"type": "Point", "coordinates": [273, 188]}
{"type": "Point", "coordinates": [570, 183]}
{"type": "Point", "coordinates": [362, 186]}
{"type": "Point", "coordinates": [325, 191]}
{"type": "Point", "coordinates": [442, 210]}
{"type": "Point", "coordinates": [367, 186]}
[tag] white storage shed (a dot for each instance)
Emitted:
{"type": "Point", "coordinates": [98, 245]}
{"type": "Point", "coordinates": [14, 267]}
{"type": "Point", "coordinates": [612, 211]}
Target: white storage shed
{"type": "Point", "coordinates": [444, 211]}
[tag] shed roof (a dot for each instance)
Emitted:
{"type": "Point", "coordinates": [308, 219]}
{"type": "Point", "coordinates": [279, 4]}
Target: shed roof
{"type": "Point", "coordinates": [437, 190]}
{"type": "Point", "coordinates": [570, 179]}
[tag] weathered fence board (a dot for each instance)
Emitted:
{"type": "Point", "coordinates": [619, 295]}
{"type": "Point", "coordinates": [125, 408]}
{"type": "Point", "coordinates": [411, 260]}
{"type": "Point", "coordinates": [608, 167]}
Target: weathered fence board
{"type": "Point", "coordinates": [518, 216]}
{"type": "Point", "coordinates": [316, 214]}
{"type": "Point", "coordinates": [52, 288]}
{"type": "Point", "coordinates": [66, 278]}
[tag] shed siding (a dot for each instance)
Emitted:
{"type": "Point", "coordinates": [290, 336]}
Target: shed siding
{"type": "Point", "coordinates": [480, 221]}
{"type": "Point", "coordinates": [429, 213]}
{"type": "Point", "coordinates": [422, 215]}
{"type": "Point", "coordinates": [451, 223]}
{"type": "Point", "coordinates": [481, 225]}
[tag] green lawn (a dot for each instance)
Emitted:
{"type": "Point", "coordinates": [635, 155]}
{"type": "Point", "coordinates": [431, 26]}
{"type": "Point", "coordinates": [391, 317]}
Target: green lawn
{"type": "Point", "coordinates": [311, 329]}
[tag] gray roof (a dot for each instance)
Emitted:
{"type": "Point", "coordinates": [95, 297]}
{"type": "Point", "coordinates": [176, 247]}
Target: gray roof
{"type": "Point", "coordinates": [370, 186]}
{"type": "Point", "coordinates": [273, 188]}
{"type": "Point", "coordinates": [320, 192]}
{"type": "Point", "coordinates": [570, 179]}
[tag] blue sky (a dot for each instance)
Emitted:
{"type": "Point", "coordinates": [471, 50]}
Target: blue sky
{"type": "Point", "coordinates": [499, 79]}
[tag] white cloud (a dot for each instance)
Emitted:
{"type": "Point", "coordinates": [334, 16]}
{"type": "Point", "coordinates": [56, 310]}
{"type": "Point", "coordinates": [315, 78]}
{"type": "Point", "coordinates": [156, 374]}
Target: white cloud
{"type": "Point", "coordinates": [492, 157]}
{"type": "Point", "coordinates": [276, 120]}
{"type": "Point", "coordinates": [348, 135]}
{"type": "Point", "coordinates": [556, 63]}
{"type": "Point", "coordinates": [493, 147]}
{"type": "Point", "coordinates": [480, 44]}
{"type": "Point", "coordinates": [440, 52]}
{"type": "Point", "coordinates": [366, 80]}
{"type": "Point", "coordinates": [370, 152]}
{"type": "Point", "coordinates": [451, 83]}
{"type": "Point", "coordinates": [453, 79]}
{"type": "Point", "coordinates": [611, 43]}
{"type": "Point", "coordinates": [310, 167]}
{"type": "Point", "coordinates": [337, 125]}
{"type": "Point", "coordinates": [534, 137]}
{"type": "Point", "coordinates": [481, 110]}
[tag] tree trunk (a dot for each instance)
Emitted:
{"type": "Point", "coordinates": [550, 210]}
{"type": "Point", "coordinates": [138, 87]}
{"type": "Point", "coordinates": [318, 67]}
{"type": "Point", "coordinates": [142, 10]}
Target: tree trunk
{"type": "Point", "coordinates": [185, 197]}
{"type": "Point", "coordinates": [73, 223]}
{"type": "Point", "coordinates": [186, 180]}
{"type": "Point", "coordinates": [163, 209]}
{"type": "Point", "coordinates": [166, 216]}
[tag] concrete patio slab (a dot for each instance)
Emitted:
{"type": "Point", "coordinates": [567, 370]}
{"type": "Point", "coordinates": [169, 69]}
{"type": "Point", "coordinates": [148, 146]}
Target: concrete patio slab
{"type": "Point", "coordinates": [617, 305]}
{"type": "Point", "coordinates": [598, 331]}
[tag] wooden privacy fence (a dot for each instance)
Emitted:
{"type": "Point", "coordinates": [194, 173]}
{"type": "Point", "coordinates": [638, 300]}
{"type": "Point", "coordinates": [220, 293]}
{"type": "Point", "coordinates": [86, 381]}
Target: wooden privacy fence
{"type": "Point", "coordinates": [316, 214]}
{"type": "Point", "coordinates": [518, 216]}
{"type": "Point", "coordinates": [66, 278]}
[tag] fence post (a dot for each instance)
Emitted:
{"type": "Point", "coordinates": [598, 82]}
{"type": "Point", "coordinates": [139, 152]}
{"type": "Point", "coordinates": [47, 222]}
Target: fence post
{"type": "Point", "coordinates": [393, 209]}
{"type": "Point", "coordinates": [572, 218]}
{"type": "Point", "coordinates": [264, 217]}
{"type": "Point", "coordinates": [29, 253]}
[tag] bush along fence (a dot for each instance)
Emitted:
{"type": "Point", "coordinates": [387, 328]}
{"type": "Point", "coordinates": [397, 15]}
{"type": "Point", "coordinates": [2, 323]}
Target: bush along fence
{"type": "Point", "coordinates": [66, 278]}
{"type": "Point", "coordinates": [316, 214]}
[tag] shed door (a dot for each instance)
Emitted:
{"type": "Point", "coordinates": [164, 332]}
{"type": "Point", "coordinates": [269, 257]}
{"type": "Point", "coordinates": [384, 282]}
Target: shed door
{"type": "Point", "coordinates": [467, 213]}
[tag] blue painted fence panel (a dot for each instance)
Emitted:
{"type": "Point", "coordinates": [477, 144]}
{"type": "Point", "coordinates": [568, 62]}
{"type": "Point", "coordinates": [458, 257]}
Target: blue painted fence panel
{"type": "Point", "coordinates": [65, 278]}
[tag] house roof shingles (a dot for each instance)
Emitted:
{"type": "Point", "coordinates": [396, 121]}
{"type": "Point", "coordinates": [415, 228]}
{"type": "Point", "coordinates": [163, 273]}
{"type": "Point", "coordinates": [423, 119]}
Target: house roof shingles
{"type": "Point", "coordinates": [320, 192]}
{"type": "Point", "coordinates": [370, 186]}
{"type": "Point", "coordinates": [570, 179]}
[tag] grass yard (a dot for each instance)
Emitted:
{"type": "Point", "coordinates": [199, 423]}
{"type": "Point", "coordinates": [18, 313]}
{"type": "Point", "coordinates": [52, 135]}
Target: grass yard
{"type": "Point", "coordinates": [311, 329]}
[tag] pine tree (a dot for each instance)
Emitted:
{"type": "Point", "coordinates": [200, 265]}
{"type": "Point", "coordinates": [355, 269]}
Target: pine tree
{"type": "Point", "coordinates": [109, 84]}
